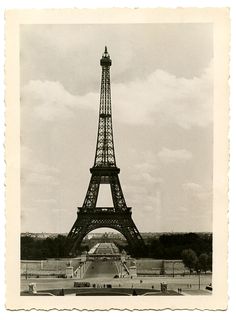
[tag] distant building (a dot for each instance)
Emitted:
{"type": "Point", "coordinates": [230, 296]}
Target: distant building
{"type": "Point", "coordinates": [41, 235]}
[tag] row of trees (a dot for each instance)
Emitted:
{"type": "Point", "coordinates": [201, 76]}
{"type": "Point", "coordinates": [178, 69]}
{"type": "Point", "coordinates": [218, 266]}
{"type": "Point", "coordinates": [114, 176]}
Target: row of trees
{"type": "Point", "coordinates": [39, 249]}
{"type": "Point", "coordinates": [200, 263]}
{"type": "Point", "coordinates": [194, 249]}
{"type": "Point", "coordinates": [171, 246]}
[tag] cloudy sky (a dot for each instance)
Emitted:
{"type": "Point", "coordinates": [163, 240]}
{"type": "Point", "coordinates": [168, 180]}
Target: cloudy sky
{"type": "Point", "coordinates": [162, 117]}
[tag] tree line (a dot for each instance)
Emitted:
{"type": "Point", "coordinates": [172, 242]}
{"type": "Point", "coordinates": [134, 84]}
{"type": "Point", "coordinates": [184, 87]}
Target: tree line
{"type": "Point", "coordinates": [171, 246]}
{"type": "Point", "coordinates": [166, 247]}
{"type": "Point", "coordinates": [40, 249]}
{"type": "Point", "coordinates": [200, 263]}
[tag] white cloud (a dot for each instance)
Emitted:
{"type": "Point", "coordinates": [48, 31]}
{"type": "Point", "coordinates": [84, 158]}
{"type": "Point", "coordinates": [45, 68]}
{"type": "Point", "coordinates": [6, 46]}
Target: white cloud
{"type": "Point", "coordinates": [203, 194]}
{"type": "Point", "coordinates": [31, 163]}
{"type": "Point", "coordinates": [35, 172]}
{"type": "Point", "coordinates": [50, 101]}
{"type": "Point", "coordinates": [161, 98]}
{"type": "Point", "coordinates": [191, 186]}
{"type": "Point", "coordinates": [169, 156]}
{"type": "Point", "coordinates": [40, 179]}
{"type": "Point", "coordinates": [144, 177]}
{"type": "Point", "coordinates": [144, 166]}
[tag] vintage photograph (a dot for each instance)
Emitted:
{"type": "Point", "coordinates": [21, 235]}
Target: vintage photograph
{"type": "Point", "coordinates": [116, 153]}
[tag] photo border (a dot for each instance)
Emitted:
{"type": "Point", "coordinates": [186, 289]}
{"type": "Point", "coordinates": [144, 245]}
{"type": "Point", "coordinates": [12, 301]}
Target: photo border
{"type": "Point", "coordinates": [219, 17]}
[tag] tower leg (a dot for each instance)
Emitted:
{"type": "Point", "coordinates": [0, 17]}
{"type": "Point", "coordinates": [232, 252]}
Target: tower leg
{"type": "Point", "coordinates": [92, 193]}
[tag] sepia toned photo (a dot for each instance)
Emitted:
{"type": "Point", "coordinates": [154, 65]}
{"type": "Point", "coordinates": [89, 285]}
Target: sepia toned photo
{"type": "Point", "coordinates": [114, 127]}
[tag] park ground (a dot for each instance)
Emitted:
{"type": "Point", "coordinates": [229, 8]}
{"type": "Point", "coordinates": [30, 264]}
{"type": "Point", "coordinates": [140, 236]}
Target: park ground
{"type": "Point", "coordinates": [189, 285]}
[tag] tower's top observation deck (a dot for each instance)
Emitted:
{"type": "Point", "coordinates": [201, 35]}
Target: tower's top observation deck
{"type": "Point", "coordinates": [105, 61]}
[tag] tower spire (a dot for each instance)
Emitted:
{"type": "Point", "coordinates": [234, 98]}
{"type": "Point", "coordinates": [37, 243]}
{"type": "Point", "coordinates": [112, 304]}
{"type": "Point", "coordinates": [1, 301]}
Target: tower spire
{"type": "Point", "coordinates": [105, 154]}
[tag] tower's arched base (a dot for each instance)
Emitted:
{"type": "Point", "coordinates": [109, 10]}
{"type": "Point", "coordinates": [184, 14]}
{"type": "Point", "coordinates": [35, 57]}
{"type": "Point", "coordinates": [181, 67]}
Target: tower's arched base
{"type": "Point", "coordinates": [108, 218]}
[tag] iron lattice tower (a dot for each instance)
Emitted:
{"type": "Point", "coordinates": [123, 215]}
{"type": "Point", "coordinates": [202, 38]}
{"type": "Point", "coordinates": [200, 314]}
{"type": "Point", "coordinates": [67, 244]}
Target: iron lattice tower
{"type": "Point", "coordinates": [104, 171]}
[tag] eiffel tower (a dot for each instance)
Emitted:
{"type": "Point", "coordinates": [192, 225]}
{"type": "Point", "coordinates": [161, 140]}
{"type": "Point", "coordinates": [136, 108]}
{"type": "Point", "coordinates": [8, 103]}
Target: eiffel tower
{"type": "Point", "coordinates": [104, 171]}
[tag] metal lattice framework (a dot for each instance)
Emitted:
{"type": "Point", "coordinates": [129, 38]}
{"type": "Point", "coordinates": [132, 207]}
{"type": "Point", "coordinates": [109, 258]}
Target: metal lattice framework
{"type": "Point", "coordinates": [105, 154]}
{"type": "Point", "coordinates": [104, 171]}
